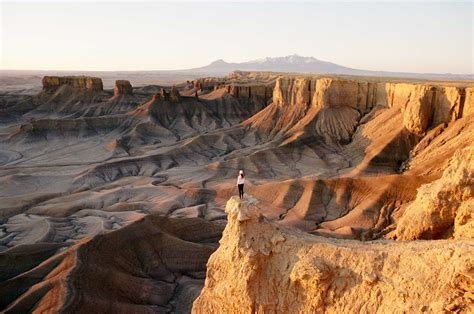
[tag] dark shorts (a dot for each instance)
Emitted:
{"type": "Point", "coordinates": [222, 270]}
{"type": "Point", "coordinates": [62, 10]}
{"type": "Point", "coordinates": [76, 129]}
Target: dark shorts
{"type": "Point", "coordinates": [241, 187]}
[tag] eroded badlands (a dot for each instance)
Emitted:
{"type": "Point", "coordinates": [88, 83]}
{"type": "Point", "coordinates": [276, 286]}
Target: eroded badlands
{"type": "Point", "coordinates": [114, 200]}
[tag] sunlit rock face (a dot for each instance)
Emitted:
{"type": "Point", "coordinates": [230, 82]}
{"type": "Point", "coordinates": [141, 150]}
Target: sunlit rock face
{"type": "Point", "coordinates": [443, 208]}
{"type": "Point", "coordinates": [261, 267]}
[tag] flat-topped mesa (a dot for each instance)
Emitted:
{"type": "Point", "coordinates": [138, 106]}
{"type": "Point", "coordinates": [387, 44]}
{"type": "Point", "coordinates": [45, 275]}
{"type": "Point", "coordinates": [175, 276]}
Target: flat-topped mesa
{"type": "Point", "coordinates": [261, 267]}
{"type": "Point", "coordinates": [51, 83]}
{"type": "Point", "coordinates": [123, 87]}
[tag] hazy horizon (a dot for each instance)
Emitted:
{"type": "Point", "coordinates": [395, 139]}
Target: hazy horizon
{"type": "Point", "coordinates": [428, 37]}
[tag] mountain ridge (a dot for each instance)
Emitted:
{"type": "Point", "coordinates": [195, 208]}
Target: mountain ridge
{"type": "Point", "coordinates": [302, 64]}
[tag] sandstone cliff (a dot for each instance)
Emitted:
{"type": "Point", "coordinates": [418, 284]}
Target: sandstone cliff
{"type": "Point", "coordinates": [122, 87]}
{"type": "Point", "coordinates": [257, 90]}
{"type": "Point", "coordinates": [51, 83]}
{"type": "Point", "coordinates": [297, 102]}
{"type": "Point", "coordinates": [314, 105]}
{"type": "Point", "coordinates": [443, 208]}
{"type": "Point", "coordinates": [261, 267]}
{"type": "Point", "coordinates": [468, 106]}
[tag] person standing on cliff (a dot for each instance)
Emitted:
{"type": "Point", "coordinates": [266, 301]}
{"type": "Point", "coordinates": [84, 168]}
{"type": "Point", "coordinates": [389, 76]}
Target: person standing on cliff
{"type": "Point", "coordinates": [240, 183]}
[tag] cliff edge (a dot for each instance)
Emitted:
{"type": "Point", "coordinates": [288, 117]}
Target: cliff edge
{"type": "Point", "coordinates": [261, 267]}
{"type": "Point", "coordinates": [443, 208]}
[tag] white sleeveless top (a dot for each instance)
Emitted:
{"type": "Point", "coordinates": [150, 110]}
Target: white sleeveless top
{"type": "Point", "coordinates": [240, 180]}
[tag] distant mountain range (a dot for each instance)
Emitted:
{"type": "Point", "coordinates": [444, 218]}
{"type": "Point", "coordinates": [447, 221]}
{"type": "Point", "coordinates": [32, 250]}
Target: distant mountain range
{"type": "Point", "coordinates": [14, 79]}
{"type": "Point", "coordinates": [296, 63]}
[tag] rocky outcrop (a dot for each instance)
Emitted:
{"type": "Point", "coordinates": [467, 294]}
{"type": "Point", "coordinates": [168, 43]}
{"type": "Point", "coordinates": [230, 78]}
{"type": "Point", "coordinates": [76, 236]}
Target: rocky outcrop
{"type": "Point", "coordinates": [172, 95]}
{"type": "Point", "coordinates": [123, 87]}
{"type": "Point", "coordinates": [448, 104]}
{"type": "Point", "coordinates": [468, 105]}
{"type": "Point", "coordinates": [206, 85]}
{"type": "Point", "coordinates": [51, 83]}
{"type": "Point", "coordinates": [418, 112]}
{"type": "Point", "coordinates": [443, 208]}
{"type": "Point", "coordinates": [248, 91]}
{"type": "Point", "coordinates": [464, 221]}
{"type": "Point", "coordinates": [261, 267]}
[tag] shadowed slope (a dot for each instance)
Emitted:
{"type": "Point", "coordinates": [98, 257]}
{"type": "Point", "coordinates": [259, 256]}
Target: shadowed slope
{"type": "Point", "coordinates": [155, 264]}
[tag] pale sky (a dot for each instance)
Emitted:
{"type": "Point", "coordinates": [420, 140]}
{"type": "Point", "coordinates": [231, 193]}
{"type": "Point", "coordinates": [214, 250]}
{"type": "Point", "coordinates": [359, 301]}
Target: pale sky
{"type": "Point", "coordinates": [391, 36]}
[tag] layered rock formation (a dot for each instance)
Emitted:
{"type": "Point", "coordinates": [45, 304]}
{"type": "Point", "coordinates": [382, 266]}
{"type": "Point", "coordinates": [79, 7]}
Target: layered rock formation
{"type": "Point", "coordinates": [51, 83]}
{"type": "Point", "coordinates": [302, 98]}
{"type": "Point", "coordinates": [336, 157]}
{"type": "Point", "coordinates": [242, 91]}
{"type": "Point", "coordinates": [122, 87]}
{"type": "Point", "coordinates": [445, 207]}
{"type": "Point", "coordinates": [240, 85]}
{"type": "Point", "coordinates": [313, 105]}
{"type": "Point", "coordinates": [261, 267]}
{"type": "Point", "coordinates": [468, 106]}
{"type": "Point", "coordinates": [172, 95]}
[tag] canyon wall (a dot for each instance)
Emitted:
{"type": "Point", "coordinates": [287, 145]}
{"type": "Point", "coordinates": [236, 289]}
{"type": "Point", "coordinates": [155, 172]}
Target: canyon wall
{"type": "Point", "coordinates": [51, 83]}
{"type": "Point", "coordinates": [261, 267]}
{"type": "Point", "coordinates": [423, 105]}
{"type": "Point", "coordinates": [468, 106]}
{"type": "Point", "coordinates": [243, 90]}
{"type": "Point", "coordinates": [247, 91]}
{"type": "Point", "coordinates": [325, 92]}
